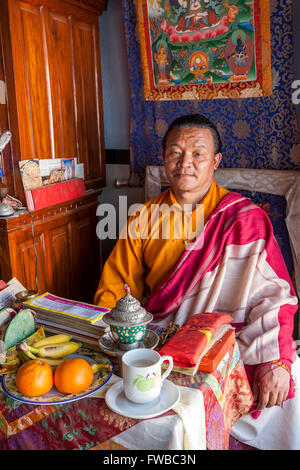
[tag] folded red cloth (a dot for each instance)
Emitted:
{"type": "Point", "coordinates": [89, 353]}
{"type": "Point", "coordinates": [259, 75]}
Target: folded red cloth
{"type": "Point", "coordinates": [188, 343]}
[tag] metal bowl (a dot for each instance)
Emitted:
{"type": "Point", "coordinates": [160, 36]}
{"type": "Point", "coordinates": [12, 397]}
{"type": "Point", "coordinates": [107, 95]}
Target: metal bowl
{"type": "Point", "coordinates": [24, 295]}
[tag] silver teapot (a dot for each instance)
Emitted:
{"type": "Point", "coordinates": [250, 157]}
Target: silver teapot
{"type": "Point", "coordinates": [128, 321]}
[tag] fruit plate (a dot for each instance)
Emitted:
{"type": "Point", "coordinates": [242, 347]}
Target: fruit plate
{"type": "Point", "coordinates": [54, 397]}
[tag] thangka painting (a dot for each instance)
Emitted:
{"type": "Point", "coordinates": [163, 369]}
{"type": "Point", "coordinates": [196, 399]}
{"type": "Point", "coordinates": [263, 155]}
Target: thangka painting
{"type": "Point", "coordinates": [204, 49]}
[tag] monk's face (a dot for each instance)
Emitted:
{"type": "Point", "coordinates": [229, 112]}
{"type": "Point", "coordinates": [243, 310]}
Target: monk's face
{"type": "Point", "coordinates": [190, 160]}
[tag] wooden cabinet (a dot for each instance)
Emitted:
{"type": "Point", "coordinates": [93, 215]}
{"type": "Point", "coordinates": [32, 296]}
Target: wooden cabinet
{"type": "Point", "coordinates": [57, 245]}
{"type": "Point", "coordinates": [52, 104]}
{"type": "Point", "coordinates": [51, 68]}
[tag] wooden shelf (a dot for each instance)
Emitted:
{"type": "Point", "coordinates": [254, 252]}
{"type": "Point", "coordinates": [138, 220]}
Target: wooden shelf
{"type": "Point", "coordinates": [58, 243]}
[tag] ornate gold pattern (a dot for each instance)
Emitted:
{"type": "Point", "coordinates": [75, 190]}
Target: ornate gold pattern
{"type": "Point", "coordinates": [118, 421]}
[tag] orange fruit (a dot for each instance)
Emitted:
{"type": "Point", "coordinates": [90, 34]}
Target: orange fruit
{"type": "Point", "coordinates": [34, 378]}
{"type": "Point", "coordinates": [73, 375]}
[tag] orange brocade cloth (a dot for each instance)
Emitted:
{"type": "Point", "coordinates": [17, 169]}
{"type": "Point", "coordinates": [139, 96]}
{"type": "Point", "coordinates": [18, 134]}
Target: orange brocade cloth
{"type": "Point", "coordinates": [189, 342]}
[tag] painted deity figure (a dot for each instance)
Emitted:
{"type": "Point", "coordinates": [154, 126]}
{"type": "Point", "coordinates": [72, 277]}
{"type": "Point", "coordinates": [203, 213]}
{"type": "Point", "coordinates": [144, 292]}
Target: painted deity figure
{"type": "Point", "coordinates": [162, 60]}
{"type": "Point", "coordinates": [240, 55]}
{"type": "Point", "coordinates": [196, 16]}
{"type": "Point", "coordinates": [192, 20]}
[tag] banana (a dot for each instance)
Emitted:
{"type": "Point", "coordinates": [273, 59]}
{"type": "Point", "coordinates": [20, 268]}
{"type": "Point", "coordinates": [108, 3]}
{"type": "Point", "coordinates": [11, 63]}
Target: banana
{"type": "Point", "coordinates": [58, 351]}
{"type": "Point", "coordinates": [55, 351]}
{"type": "Point", "coordinates": [51, 362]}
{"type": "Point", "coordinates": [29, 356]}
{"type": "Point", "coordinates": [96, 367]}
{"type": "Point", "coordinates": [55, 339]}
{"type": "Point", "coordinates": [23, 351]}
{"type": "Point", "coordinates": [23, 357]}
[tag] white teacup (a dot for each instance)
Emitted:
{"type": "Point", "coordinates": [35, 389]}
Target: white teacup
{"type": "Point", "coordinates": [142, 376]}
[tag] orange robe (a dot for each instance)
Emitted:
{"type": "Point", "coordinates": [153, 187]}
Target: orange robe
{"type": "Point", "coordinates": [142, 261]}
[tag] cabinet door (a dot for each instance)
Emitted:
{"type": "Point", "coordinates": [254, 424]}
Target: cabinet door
{"type": "Point", "coordinates": [29, 261]}
{"type": "Point", "coordinates": [87, 262]}
{"type": "Point", "coordinates": [60, 251]}
{"type": "Point", "coordinates": [60, 54]}
{"type": "Point", "coordinates": [89, 99]}
{"type": "Point", "coordinates": [30, 73]}
{"type": "Point", "coordinates": [56, 66]}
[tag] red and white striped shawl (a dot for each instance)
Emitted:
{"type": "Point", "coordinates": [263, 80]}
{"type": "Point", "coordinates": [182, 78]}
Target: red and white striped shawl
{"type": "Point", "coordinates": [235, 266]}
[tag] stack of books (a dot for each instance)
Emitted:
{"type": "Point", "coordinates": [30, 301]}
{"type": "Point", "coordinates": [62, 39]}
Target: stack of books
{"type": "Point", "coordinates": [82, 320]}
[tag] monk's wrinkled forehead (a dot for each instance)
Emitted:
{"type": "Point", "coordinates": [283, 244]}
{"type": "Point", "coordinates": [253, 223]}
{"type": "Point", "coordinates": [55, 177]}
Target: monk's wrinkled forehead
{"type": "Point", "coordinates": [192, 136]}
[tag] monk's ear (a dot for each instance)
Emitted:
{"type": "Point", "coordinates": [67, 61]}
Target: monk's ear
{"type": "Point", "coordinates": [217, 159]}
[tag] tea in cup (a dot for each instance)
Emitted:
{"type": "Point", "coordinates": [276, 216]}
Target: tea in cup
{"type": "Point", "coordinates": [142, 377]}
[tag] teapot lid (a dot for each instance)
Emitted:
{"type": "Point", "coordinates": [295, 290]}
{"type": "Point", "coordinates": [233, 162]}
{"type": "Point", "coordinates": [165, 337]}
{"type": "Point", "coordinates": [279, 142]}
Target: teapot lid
{"type": "Point", "coordinates": [128, 311]}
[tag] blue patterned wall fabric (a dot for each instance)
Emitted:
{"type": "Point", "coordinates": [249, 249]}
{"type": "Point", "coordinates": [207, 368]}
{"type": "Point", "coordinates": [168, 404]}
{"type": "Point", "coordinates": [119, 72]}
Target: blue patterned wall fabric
{"type": "Point", "coordinates": [256, 132]}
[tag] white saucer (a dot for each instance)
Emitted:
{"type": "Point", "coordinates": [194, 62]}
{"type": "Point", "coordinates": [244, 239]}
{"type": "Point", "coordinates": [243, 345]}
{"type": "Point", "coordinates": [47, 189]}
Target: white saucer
{"type": "Point", "coordinates": [116, 400]}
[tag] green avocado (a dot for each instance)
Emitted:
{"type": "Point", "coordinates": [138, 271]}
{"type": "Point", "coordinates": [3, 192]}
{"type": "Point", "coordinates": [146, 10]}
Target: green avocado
{"type": "Point", "coordinates": [20, 327]}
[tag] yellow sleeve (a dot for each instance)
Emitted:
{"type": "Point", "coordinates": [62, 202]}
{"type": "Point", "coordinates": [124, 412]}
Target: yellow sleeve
{"type": "Point", "coordinates": [124, 266]}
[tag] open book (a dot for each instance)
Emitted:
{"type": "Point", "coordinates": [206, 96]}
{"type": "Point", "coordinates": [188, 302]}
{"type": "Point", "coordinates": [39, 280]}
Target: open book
{"type": "Point", "coordinates": [201, 343]}
{"type": "Point", "coordinates": [64, 308]}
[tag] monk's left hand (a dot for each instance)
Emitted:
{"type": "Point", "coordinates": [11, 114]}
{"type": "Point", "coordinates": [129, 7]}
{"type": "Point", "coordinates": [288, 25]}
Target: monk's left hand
{"type": "Point", "coordinates": [274, 387]}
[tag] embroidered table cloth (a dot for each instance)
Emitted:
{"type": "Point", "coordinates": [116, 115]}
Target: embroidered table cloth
{"type": "Point", "coordinates": [90, 424]}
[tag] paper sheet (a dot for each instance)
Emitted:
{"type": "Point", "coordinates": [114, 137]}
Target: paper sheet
{"type": "Point", "coordinates": [73, 308]}
{"type": "Point", "coordinates": [7, 295]}
{"type": "Point", "coordinates": [49, 164]}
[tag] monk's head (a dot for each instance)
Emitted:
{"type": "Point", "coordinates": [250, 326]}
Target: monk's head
{"type": "Point", "coordinates": [192, 152]}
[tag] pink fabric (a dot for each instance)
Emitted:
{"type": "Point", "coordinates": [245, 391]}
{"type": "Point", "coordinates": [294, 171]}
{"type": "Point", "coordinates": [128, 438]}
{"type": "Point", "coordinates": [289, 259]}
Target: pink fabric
{"type": "Point", "coordinates": [236, 223]}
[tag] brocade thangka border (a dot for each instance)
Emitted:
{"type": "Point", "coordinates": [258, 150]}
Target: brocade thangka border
{"type": "Point", "coordinates": [204, 49]}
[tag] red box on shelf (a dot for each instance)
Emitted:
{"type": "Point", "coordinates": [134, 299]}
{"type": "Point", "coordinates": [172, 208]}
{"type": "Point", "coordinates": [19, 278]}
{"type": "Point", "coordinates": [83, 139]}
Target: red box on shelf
{"type": "Point", "coordinates": [54, 194]}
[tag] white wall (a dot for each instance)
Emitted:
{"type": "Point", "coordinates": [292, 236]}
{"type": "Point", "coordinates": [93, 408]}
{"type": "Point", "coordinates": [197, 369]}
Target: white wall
{"type": "Point", "coordinates": [116, 108]}
{"type": "Point", "coordinates": [111, 195]}
{"type": "Point", "coordinates": [115, 82]}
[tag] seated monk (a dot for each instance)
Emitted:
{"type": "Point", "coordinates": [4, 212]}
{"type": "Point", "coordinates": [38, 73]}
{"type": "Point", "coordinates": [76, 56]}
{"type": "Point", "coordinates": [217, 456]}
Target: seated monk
{"type": "Point", "coordinates": [230, 264]}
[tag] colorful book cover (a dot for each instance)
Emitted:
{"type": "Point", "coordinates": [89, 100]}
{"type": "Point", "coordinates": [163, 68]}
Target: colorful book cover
{"type": "Point", "coordinates": [68, 166]}
{"type": "Point", "coordinates": [30, 174]}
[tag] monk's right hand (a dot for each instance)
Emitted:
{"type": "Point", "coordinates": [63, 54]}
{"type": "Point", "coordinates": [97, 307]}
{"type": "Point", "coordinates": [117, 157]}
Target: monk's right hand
{"type": "Point", "coordinates": [273, 389]}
